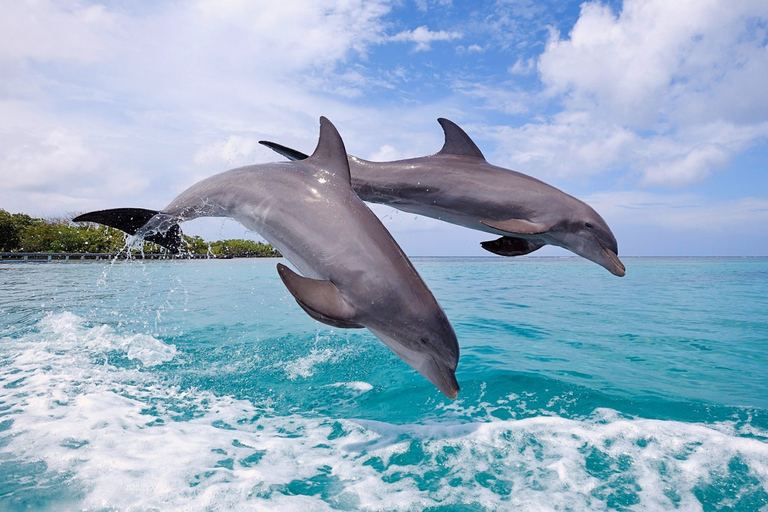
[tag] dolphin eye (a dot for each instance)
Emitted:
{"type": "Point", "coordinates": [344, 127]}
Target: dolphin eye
{"type": "Point", "coordinates": [589, 225]}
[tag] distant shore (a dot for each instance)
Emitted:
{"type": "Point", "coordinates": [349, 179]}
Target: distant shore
{"type": "Point", "coordinates": [40, 239]}
{"type": "Point", "coordinates": [44, 257]}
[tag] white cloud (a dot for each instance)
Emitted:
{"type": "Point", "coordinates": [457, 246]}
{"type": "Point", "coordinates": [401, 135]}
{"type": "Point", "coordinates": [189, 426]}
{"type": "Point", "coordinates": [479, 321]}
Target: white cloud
{"type": "Point", "coordinates": [523, 67]}
{"type": "Point", "coordinates": [423, 5]}
{"type": "Point", "coordinates": [683, 212]}
{"type": "Point", "coordinates": [34, 164]}
{"type": "Point", "coordinates": [176, 91]}
{"type": "Point", "coordinates": [569, 146]}
{"type": "Point", "coordinates": [667, 91]}
{"type": "Point", "coordinates": [44, 30]}
{"type": "Point", "coordinates": [473, 48]}
{"type": "Point", "coordinates": [575, 145]}
{"type": "Point", "coordinates": [385, 153]}
{"type": "Point", "coordinates": [422, 36]}
{"type": "Point", "coordinates": [235, 151]}
{"type": "Point", "coordinates": [504, 98]}
{"type": "Point", "coordinates": [297, 34]}
{"type": "Point", "coordinates": [657, 58]}
{"type": "Point", "coordinates": [694, 166]}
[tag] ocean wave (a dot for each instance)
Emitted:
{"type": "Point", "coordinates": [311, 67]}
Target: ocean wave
{"type": "Point", "coordinates": [81, 429]}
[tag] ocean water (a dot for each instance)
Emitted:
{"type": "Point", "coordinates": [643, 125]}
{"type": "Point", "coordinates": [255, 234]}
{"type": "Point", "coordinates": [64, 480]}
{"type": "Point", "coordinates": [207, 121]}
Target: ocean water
{"type": "Point", "coordinates": [201, 385]}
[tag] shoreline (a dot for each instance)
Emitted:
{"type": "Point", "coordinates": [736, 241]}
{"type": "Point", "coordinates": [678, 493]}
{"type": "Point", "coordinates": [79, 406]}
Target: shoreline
{"type": "Point", "coordinates": [45, 257]}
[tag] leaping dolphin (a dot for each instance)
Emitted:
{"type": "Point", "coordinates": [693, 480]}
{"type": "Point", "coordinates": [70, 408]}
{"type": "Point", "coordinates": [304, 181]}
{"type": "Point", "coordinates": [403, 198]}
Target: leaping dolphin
{"type": "Point", "coordinates": [459, 186]}
{"type": "Point", "coordinates": [355, 274]}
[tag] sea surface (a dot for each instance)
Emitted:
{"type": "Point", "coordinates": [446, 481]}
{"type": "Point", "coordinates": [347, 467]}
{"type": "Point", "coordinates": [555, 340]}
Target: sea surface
{"type": "Point", "coordinates": [201, 385]}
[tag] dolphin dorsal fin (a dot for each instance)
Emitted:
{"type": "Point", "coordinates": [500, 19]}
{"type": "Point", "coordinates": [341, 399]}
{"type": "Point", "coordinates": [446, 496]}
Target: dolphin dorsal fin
{"type": "Point", "coordinates": [457, 142]}
{"type": "Point", "coordinates": [330, 153]}
{"type": "Point", "coordinates": [320, 299]}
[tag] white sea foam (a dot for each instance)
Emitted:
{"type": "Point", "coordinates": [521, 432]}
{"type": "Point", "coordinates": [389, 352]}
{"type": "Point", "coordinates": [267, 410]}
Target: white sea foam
{"type": "Point", "coordinates": [360, 387]}
{"type": "Point", "coordinates": [131, 441]}
{"type": "Point", "coordinates": [305, 366]}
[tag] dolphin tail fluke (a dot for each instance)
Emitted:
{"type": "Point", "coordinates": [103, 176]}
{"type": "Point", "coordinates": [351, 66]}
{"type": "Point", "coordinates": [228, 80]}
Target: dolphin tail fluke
{"type": "Point", "coordinates": [320, 299]}
{"type": "Point", "coordinates": [290, 154]}
{"type": "Point", "coordinates": [131, 220]}
{"type": "Point", "coordinates": [511, 246]}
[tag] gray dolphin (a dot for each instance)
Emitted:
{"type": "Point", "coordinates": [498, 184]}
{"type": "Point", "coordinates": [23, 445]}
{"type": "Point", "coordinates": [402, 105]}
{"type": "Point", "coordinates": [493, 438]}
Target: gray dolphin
{"type": "Point", "coordinates": [355, 274]}
{"type": "Point", "coordinates": [459, 186]}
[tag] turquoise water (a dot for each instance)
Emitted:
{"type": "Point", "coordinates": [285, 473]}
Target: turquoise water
{"type": "Point", "coordinates": [201, 385]}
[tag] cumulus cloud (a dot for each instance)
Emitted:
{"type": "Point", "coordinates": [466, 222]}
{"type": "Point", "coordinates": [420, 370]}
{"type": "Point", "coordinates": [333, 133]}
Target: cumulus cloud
{"type": "Point", "coordinates": [683, 212]}
{"type": "Point", "coordinates": [656, 59]}
{"type": "Point", "coordinates": [47, 31]}
{"type": "Point", "coordinates": [385, 153]}
{"type": "Point", "coordinates": [160, 93]}
{"type": "Point", "coordinates": [423, 37]}
{"type": "Point", "coordinates": [235, 150]}
{"type": "Point", "coordinates": [523, 67]}
{"type": "Point", "coordinates": [573, 145]}
{"type": "Point", "coordinates": [502, 97]}
{"type": "Point", "coordinates": [47, 162]}
{"type": "Point", "coordinates": [694, 166]}
{"type": "Point", "coordinates": [665, 90]}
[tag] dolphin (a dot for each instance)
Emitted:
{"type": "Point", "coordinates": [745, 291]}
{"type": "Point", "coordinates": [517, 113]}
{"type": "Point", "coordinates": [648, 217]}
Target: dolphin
{"type": "Point", "coordinates": [354, 273]}
{"type": "Point", "coordinates": [459, 186]}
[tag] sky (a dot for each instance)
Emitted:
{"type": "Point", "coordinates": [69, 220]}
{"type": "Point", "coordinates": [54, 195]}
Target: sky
{"type": "Point", "coordinates": [653, 112]}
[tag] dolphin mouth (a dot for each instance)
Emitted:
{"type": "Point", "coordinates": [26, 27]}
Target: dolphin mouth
{"type": "Point", "coordinates": [449, 385]}
{"type": "Point", "coordinates": [614, 266]}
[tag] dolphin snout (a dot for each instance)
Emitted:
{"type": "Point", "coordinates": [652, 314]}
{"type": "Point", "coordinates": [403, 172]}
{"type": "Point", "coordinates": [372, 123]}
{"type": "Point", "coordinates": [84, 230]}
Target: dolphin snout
{"type": "Point", "coordinates": [598, 249]}
{"type": "Point", "coordinates": [613, 263]}
{"type": "Point", "coordinates": [441, 376]}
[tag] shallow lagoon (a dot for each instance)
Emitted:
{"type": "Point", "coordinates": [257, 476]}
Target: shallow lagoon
{"type": "Point", "coordinates": [201, 384]}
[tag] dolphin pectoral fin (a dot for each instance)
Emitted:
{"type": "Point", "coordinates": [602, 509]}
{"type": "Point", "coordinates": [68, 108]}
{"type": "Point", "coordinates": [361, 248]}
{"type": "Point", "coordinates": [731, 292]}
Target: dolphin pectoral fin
{"type": "Point", "coordinates": [333, 322]}
{"type": "Point", "coordinates": [130, 220]}
{"type": "Point", "coordinates": [290, 154]}
{"type": "Point", "coordinates": [320, 299]}
{"type": "Point", "coordinates": [511, 246]}
{"type": "Point", "coordinates": [517, 226]}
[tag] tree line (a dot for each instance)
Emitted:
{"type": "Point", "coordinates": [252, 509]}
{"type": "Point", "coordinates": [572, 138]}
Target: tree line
{"type": "Point", "coordinates": [21, 233]}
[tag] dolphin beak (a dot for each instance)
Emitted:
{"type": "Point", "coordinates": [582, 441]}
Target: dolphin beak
{"type": "Point", "coordinates": [613, 263]}
{"type": "Point", "coordinates": [591, 248]}
{"type": "Point", "coordinates": [436, 370]}
{"type": "Point", "coordinates": [441, 376]}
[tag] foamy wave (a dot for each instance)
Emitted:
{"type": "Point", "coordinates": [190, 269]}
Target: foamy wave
{"type": "Point", "coordinates": [305, 366]}
{"type": "Point", "coordinates": [122, 438]}
{"type": "Point", "coordinates": [66, 331]}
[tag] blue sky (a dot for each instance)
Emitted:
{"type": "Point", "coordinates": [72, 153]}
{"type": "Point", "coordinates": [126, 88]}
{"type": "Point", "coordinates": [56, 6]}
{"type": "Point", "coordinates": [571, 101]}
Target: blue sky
{"type": "Point", "coordinates": [654, 112]}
